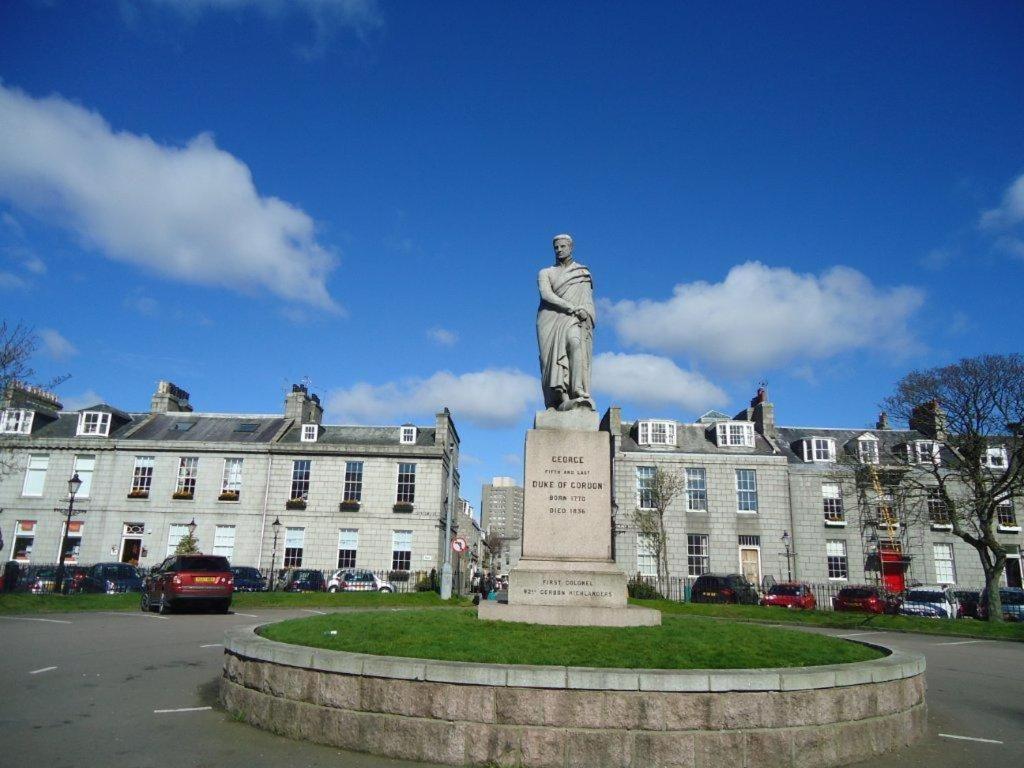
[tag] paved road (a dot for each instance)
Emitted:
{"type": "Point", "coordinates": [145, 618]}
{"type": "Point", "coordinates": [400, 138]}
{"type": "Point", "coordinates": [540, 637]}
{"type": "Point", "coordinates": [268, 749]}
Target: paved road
{"type": "Point", "coordinates": [92, 689]}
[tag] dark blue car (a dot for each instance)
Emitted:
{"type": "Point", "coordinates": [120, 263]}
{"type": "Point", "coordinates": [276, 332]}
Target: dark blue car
{"type": "Point", "coordinates": [248, 579]}
{"type": "Point", "coordinates": [1012, 599]}
{"type": "Point", "coordinates": [112, 578]}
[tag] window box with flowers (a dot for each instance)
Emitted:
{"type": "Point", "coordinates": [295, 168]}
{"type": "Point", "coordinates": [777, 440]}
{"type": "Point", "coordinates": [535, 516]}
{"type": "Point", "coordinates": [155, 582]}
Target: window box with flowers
{"type": "Point", "coordinates": [138, 494]}
{"type": "Point", "coordinates": [349, 505]}
{"type": "Point", "coordinates": [403, 506]}
{"type": "Point", "coordinates": [297, 503]}
{"type": "Point", "coordinates": [228, 496]}
{"type": "Point", "coordinates": [183, 495]}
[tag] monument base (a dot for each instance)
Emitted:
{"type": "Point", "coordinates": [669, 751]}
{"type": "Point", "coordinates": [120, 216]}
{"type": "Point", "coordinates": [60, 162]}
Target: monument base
{"type": "Point", "coordinates": [570, 616]}
{"type": "Point", "coordinates": [568, 583]}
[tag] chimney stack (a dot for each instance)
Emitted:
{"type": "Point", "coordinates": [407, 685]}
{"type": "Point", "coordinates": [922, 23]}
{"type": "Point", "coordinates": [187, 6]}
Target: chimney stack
{"type": "Point", "coordinates": [930, 420]}
{"type": "Point", "coordinates": [763, 414]}
{"type": "Point", "coordinates": [302, 406]}
{"type": "Point", "coordinates": [169, 399]}
{"type": "Point", "coordinates": [883, 421]}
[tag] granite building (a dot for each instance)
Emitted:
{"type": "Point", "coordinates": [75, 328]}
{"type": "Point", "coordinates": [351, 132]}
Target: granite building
{"type": "Point", "coordinates": [344, 496]}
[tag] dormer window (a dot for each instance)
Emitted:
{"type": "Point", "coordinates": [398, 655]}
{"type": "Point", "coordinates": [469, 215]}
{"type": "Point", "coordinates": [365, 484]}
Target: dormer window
{"type": "Point", "coordinates": [994, 458]}
{"type": "Point", "coordinates": [310, 432]}
{"type": "Point", "coordinates": [653, 432]}
{"type": "Point", "coordinates": [93, 423]}
{"type": "Point", "coordinates": [819, 449]}
{"type": "Point", "coordinates": [408, 436]}
{"type": "Point", "coordinates": [923, 452]}
{"type": "Point", "coordinates": [16, 421]}
{"type": "Point", "coordinates": [867, 449]}
{"type": "Point", "coordinates": [734, 434]}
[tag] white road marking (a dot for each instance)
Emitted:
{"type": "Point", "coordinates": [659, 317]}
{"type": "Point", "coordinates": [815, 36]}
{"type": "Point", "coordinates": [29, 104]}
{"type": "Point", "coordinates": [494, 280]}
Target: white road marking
{"type": "Point", "coordinates": [964, 642]}
{"type": "Point", "coordinates": [249, 615]}
{"type": "Point", "coordinates": [182, 709]}
{"type": "Point", "coordinates": [859, 634]}
{"type": "Point", "coordinates": [44, 669]}
{"type": "Point", "coordinates": [969, 738]}
{"type": "Point", "coordinates": [310, 610]}
{"type": "Point", "coordinates": [212, 645]}
{"type": "Point", "coordinates": [26, 618]}
{"type": "Point", "coordinates": [131, 614]}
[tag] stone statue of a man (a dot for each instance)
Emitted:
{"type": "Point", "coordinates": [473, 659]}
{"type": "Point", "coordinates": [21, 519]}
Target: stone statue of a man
{"type": "Point", "coordinates": [565, 330]}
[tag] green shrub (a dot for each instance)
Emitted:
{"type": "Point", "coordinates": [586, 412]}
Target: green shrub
{"type": "Point", "coordinates": [640, 590]}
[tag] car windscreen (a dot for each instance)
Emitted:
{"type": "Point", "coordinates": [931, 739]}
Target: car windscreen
{"type": "Point", "coordinates": [708, 582]}
{"type": "Point", "coordinates": [923, 596]}
{"type": "Point", "coordinates": [246, 573]}
{"type": "Point", "coordinates": [1011, 598]}
{"type": "Point", "coordinates": [856, 592]}
{"type": "Point", "coordinates": [201, 564]}
{"type": "Point", "coordinates": [784, 589]}
{"type": "Point", "coordinates": [120, 572]}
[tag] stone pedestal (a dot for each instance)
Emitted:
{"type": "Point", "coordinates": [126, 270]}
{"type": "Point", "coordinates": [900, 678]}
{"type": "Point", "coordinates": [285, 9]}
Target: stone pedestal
{"type": "Point", "coordinates": [566, 574]}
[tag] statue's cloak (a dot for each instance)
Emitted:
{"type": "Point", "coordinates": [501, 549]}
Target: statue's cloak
{"type": "Point", "coordinates": [574, 285]}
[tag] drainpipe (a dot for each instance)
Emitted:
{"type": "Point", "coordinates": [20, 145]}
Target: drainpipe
{"type": "Point", "coordinates": [266, 501]}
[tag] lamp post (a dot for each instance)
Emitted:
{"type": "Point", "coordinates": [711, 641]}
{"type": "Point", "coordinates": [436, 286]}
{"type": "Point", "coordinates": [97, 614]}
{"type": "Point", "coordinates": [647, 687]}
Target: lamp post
{"type": "Point", "coordinates": [74, 484]}
{"type": "Point", "coordinates": [789, 554]}
{"type": "Point", "coordinates": [276, 525]}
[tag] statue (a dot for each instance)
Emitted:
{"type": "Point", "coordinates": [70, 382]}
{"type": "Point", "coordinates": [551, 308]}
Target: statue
{"type": "Point", "coordinates": [565, 330]}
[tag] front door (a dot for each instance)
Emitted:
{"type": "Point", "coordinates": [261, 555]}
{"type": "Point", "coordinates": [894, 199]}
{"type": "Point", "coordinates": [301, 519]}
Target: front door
{"type": "Point", "coordinates": [1013, 572]}
{"type": "Point", "coordinates": [131, 549]}
{"type": "Point", "coordinates": [750, 564]}
{"type": "Point", "coordinates": [893, 570]}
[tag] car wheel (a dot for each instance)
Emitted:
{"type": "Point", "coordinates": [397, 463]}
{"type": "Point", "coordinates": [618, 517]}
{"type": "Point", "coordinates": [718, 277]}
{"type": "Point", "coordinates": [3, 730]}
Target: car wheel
{"type": "Point", "coordinates": [224, 607]}
{"type": "Point", "coordinates": [163, 607]}
{"type": "Point", "coordinates": [144, 602]}
{"type": "Point", "coordinates": [332, 590]}
{"type": "Point", "coordinates": [386, 589]}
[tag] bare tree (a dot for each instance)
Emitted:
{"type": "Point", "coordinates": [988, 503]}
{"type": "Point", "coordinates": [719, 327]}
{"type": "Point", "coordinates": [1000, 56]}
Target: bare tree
{"type": "Point", "coordinates": [972, 411]}
{"type": "Point", "coordinates": [656, 495]}
{"type": "Point", "coordinates": [17, 345]}
{"type": "Point", "coordinates": [494, 542]}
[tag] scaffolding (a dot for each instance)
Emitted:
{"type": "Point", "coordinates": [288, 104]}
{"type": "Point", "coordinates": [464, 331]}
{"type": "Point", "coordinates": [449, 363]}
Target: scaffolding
{"type": "Point", "coordinates": [889, 543]}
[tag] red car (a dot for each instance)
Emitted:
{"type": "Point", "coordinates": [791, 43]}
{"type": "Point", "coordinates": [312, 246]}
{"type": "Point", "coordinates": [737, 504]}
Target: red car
{"type": "Point", "coordinates": [869, 599]}
{"type": "Point", "coordinates": [791, 595]}
{"type": "Point", "coordinates": [203, 581]}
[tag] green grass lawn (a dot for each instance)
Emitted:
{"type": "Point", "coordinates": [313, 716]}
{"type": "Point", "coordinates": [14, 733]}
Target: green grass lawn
{"type": "Point", "coordinates": [843, 620]}
{"type": "Point", "coordinates": [682, 642]}
{"type": "Point", "coordinates": [31, 604]}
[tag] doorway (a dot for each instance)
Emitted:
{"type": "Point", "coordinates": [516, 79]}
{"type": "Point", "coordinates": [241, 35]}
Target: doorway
{"type": "Point", "coordinates": [750, 564]}
{"type": "Point", "coordinates": [1013, 570]}
{"type": "Point", "coordinates": [131, 543]}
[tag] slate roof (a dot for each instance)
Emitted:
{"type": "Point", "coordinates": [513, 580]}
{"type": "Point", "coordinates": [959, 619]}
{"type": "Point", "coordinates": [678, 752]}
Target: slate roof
{"type": "Point", "coordinates": [694, 438]}
{"type": "Point", "coordinates": [212, 429]}
{"type": "Point", "coordinates": [66, 424]}
{"type": "Point", "coordinates": [846, 440]}
{"type": "Point", "coordinates": [346, 435]}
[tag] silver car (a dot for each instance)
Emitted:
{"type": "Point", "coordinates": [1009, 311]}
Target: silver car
{"type": "Point", "coordinates": [358, 580]}
{"type": "Point", "coordinates": [935, 601]}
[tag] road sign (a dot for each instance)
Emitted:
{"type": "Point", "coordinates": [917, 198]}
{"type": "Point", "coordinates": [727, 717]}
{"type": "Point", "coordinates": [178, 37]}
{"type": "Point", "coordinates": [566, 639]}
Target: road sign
{"type": "Point", "coordinates": [459, 544]}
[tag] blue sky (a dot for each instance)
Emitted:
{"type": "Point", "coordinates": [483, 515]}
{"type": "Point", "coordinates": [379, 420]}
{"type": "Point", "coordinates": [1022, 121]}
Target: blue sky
{"type": "Point", "coordinates": [237, 194]}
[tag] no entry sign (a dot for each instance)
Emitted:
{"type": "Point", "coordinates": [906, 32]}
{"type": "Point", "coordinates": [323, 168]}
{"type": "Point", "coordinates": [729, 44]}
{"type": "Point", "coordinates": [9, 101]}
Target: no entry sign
{"type": "Point", "coordinates": [459, 544]}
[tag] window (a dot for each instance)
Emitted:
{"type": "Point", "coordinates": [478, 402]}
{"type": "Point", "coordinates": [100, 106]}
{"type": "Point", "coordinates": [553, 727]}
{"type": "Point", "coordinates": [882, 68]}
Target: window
{"type": "Point", "coordinates": [832, 501]}
{"type": "Point", "coordinates": [735, 433]}
{"type": "Point", "coordinates": [938, 513]}
{"type": "Point", "coordinates": [224, 541]}
{"type": "Point", "coordinates": [74, 541]}
{"type": "Point", "coordinates": [16, 421]}
{"type": "Point", "coordinates": [353, 482]}
{"type": "Point", "coordinates": [408, 436]}
{"type": "Point", "coordinates": [175, 533]}
{"type": "Point", "coordinates": [84, 466]}
{"type": "Point", "coordinates": [645, 487]}
{"type": "Point", "coordinates": [696, 489]}
{"type": "Point", "coordinates": [749, 541]}
{"type": "Point", "coordinates": [406, 483]}
{"type": "Point", "coordinates": [646, 555]}
{"type": "Point", "coordinates": [1006, 517]}
{"type": "Point", "coordinates": [696, 554]}
{"type": "Point", "coordinates": [348, 545]}
{"type": "Point", "coordinates": [923, 452]}
{"type": "Point", "coordinates": [819, 449]}
{"type": "Point", "coordinates": [183, 426]}
{"type": "Point", "coordinates": [24, 539]}
{"type": "Point", "coordinates": [231, 481]}
{"type": "Point", "coordinates": [142, 476]}
{"type": "Point", "coordinates": [310, 432]}
{"type": "Point", "coordinates": [401, 550]}
{"type": "Point", "coordinates": [35, 474]}
{"type": "Point", "coordinates": [746, 490]}
{"type": "Point", "coordinates": [247, 427]}
{"type": "Point", "coordinates": [835, 554]}
{"type": "Point", "coordinates": [301, 469]}
{"type": "Point", "coordinates": [294, 541]}
{"type": "Point", "coordinates": [93, 423]}
{"type": "Point", "coordinates": [867, 450]}
{"type": "Point", "coordinates": [188, 470]}
{"type": "Point", "coordinates": [656, 432]}
{"type": "Point", "coordinates": [994, 458]}
{"type": "Point", "coordinates": [945, 570]}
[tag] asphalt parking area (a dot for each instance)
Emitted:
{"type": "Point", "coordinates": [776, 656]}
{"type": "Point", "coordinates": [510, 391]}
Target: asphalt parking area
{"type": "Point", "coordinates": [139, 690]}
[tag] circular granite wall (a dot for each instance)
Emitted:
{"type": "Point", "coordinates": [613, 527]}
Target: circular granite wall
{"type": "Point", "coordinates": [477, 714]}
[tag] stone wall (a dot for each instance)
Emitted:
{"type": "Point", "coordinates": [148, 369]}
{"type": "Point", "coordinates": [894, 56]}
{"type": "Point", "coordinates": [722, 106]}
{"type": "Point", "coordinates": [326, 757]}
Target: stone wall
{"type": "Point", "coordinates": [558, 717]}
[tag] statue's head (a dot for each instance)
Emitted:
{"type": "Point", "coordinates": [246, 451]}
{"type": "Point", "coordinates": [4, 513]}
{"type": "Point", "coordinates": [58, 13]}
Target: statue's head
{"type": "Point", "coordinates": [563, 247]}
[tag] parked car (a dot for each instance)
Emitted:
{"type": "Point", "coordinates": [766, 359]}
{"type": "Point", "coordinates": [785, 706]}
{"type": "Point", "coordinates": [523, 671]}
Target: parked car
{"type": "Point", "coordinates": [303, 580]}
{"type": "Point", "coordinates": [718, 588]}
{"type": "Point", "coordinates": [935, 601]}
{"type": "Point", "coordinates": [1012, 599]}
{"type": "Point", "coordinates": [358, 580]}
{"type": "Point", "coordinates": [868, 598]}
{"type": "Point", "coordinates": [248, 579]}
{"type": "Point", "coordinates": [968, 599]}
{"type": "Point", "coordinates": [112, 578]}
{"type": "Point", "coordinates": [74, 579]}
{"type": "Point", "coordinates": [791, 595]}
{"type": "Point", "coordinates": [193, 580]}
{"type": "Point", "coordinates": [42, 581]}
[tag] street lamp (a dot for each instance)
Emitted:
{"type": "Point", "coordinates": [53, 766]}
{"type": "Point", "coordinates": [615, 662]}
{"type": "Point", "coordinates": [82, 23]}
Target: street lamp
{"type": "Point", "coordinates": [276, 525]}
{"type": "Point", "coordinates": [789, 554]}
{"type": "Point", "coordinates": [74, 484]}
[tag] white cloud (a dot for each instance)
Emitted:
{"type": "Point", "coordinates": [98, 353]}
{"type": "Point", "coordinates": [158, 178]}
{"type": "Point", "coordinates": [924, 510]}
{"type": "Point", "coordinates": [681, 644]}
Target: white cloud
{"type": "Point", "coordinates": [56, 346]}
{"type": "Point", "coordinates": [144, 305]}
{"type": "Point", "coordinates": [7, 280]}
{"type": "Point", "coordinates": [513, 459]}
{"type": "Point", "coordinates": [83, 400]}
{"type": "Point", "coordinates": [34, 264]}
{"type": "Point", "coordinates": [1010, 211]}
{"type": "Point", "coordinates": [654, 381]}
{"type": "Point", "coordinates": [489, 398]}
{"type": "Point", "coordinates": [762, 317]}
{"type": "Point", "coordinates": [190, 213]}
{"type": "Point", "coordinates": [443, 336]}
